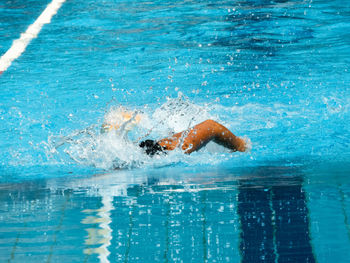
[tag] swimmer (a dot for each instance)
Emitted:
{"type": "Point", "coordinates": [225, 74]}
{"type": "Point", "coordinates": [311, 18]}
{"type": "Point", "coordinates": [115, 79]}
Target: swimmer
{"type": "Point", "coordinates": [191, 140]}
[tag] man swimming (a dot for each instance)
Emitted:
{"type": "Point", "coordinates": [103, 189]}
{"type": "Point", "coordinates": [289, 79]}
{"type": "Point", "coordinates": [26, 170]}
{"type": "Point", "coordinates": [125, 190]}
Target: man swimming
{"type": "Point", "coordinates": [195, 138]}
{"type": "Point", "coordinates": [189, 140]}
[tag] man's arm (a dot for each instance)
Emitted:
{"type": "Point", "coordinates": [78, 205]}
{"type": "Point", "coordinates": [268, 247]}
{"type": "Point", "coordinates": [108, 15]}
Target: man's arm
{"type": "Point", "coordinates": [201, 134]}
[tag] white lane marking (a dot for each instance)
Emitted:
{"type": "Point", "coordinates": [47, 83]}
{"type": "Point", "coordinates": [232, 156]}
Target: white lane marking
{"type": "Point", "coordinates": [19, 45]}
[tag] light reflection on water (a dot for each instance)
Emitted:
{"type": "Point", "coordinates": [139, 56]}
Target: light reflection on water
{"type": "Point", "coordinates": [253, 214]}
{"type": "Point", "coordinates": [99, 236]}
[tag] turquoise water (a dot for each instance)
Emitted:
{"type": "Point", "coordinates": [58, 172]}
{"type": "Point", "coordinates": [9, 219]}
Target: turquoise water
{"type": "Point", "coordinates": [275, 72]}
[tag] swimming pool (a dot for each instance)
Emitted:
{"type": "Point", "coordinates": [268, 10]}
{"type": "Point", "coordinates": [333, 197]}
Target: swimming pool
{"type": "Point", "coordinates": [273, 71]}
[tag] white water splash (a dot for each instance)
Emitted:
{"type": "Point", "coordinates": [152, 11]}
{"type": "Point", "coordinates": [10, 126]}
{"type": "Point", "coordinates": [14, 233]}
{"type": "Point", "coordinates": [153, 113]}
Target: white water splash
{"type": "Point", "coordinates": [119, 148]}
{"type": "Point", "coordinates": [179, 114]}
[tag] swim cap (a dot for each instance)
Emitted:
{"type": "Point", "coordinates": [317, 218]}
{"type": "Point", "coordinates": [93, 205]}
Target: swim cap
{"type": "Point", "coordinates": [120, 117]}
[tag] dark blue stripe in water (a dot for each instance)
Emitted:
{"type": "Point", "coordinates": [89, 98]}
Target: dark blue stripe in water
{"type": "Point", "coordinates": [292, 224]}
{"type": "Point", "coordinates": [256, 225]}
{"type": "Point", "coordinates": [274, 219]}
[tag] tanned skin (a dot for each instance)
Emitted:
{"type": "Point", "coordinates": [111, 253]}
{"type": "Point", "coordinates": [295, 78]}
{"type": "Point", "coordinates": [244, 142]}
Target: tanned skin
{"type": "Point", "coordinates": [198, 136]}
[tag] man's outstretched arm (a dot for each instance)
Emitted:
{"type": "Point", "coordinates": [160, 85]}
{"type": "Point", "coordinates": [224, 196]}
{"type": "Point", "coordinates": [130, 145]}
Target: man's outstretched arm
{"type": "Point", "coordinates": [201, 134]}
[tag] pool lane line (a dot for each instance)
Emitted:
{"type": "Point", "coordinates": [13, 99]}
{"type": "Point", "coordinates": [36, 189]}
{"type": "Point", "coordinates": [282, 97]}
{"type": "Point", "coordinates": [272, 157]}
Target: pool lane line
{"type": "Point", "coordinates": [203, 198]}
{"type": "Point", "coordinates": [59, 226]}
{"type": "Point", "coordinates": [12, 256]}
{"type": "Point", "coordinates": [343, 207]}
{"type": "Point", "coordinates": [19, 45]}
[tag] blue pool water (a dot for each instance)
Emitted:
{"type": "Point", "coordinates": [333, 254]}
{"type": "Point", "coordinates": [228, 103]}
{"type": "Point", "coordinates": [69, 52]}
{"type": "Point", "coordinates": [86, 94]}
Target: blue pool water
{"type": "Point", "coordinates": [276, 72]}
